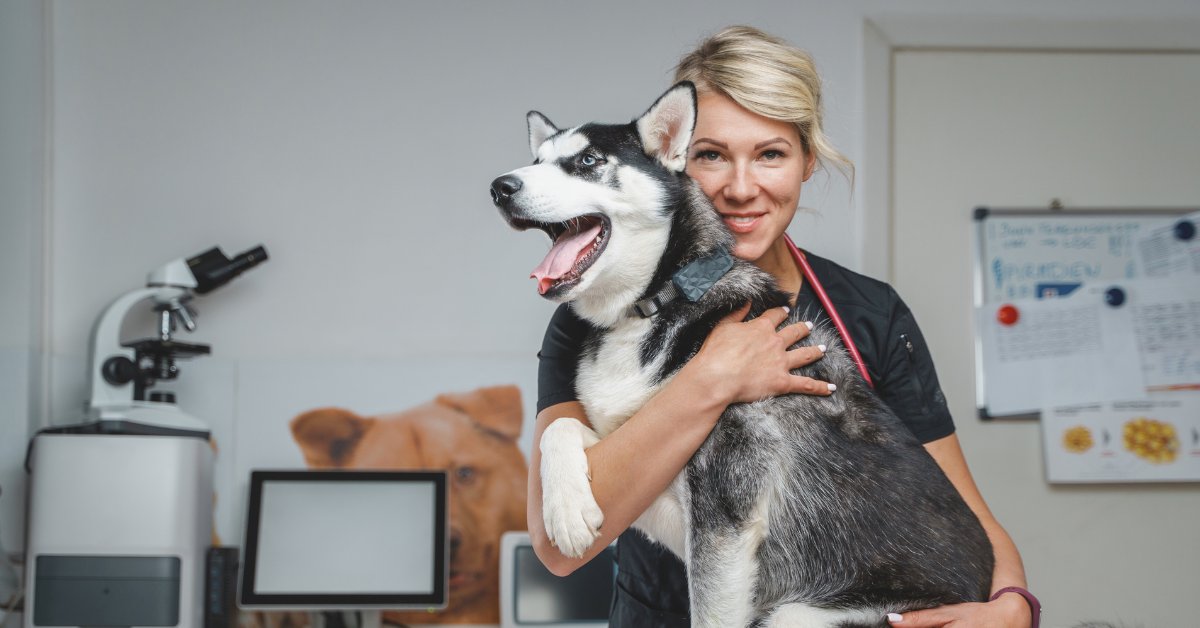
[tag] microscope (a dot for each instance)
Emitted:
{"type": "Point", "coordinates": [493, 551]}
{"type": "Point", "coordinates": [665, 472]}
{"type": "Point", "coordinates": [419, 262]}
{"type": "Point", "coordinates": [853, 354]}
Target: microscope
{"type": "Point", "coordinates": [121, 375]}
{"type": "Point", "coordinates": [120, 505]}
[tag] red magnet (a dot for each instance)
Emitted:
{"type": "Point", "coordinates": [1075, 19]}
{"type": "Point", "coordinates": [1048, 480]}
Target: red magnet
{"type": "Point", "coordinates": [1007, 315]}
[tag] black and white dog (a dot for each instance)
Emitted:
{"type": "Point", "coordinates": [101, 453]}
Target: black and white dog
{"type": "Point", "coordinates": [797, 510]}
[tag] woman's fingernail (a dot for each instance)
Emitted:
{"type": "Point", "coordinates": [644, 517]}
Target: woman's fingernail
{"type": "Point", "coordinates": [809, 323]}
{"type": "Point", "coordinates": [787, 310]}
{"type": "Point", "coordinates": [895, 618]}
{"type": "Point", "coordinates": [832, 387]}
{"type": "Point", "coordinates": [822, 348]}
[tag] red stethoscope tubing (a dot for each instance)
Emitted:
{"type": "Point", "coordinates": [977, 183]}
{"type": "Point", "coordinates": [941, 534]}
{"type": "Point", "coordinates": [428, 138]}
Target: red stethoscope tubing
{"type": "Point", "coordinates": [811, 278]}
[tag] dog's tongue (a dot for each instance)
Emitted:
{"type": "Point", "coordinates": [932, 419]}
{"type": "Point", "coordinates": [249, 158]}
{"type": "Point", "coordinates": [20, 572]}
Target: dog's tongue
{"type": "Point", "coordinates": [562, 257]}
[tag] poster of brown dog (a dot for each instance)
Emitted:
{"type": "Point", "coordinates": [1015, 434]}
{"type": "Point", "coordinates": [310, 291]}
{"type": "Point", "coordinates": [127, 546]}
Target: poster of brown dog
{"type": "Point", "coordinates": [473, 437]}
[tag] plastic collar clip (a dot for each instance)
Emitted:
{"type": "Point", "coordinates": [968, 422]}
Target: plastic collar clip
{"type": "Point", "coordinates": [690, 282]}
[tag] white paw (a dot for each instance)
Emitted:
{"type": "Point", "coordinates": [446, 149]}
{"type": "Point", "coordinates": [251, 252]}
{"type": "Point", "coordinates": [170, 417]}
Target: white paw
{"type": "Point", "coordinates": [571, 514]}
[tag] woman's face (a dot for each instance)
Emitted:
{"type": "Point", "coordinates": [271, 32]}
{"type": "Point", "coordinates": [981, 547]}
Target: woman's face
{"type": "Point", "coordinates": [751, 167]}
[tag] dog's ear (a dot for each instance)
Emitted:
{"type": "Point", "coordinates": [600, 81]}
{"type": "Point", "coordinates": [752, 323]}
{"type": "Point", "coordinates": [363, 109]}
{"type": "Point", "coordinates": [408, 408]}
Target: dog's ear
{"type": "Point", "coordinates": [327, 436]}
{"type": "Point", "coordinates": [496, 408]}
{"type": "Point", "coordinates": [666, 128]}
{"type": "Point", "coordinates": [540, 129]}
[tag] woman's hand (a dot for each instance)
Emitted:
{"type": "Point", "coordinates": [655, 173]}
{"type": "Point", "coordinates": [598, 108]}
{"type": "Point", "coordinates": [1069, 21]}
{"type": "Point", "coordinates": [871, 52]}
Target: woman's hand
{"type": "Point", "coordinates": [746, 361]}
{"type": "Point", "coordinates": [1007, 611]}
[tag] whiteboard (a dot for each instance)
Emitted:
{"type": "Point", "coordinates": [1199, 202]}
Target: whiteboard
{"type": "Point", "coordinates": [1040, 253]}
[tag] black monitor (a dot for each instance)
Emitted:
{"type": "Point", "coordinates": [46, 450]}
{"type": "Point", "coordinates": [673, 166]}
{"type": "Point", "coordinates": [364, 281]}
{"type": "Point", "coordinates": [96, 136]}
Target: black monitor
{"type": "Point", "coordinates": [345, 540]}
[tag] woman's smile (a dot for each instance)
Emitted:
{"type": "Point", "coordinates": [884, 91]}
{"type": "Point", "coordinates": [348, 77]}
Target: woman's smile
{"type": "Point", "coordinates": [742, 224]}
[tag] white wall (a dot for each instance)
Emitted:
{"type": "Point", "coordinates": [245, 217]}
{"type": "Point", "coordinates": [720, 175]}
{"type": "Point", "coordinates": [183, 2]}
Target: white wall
{"type": "Point", "coordinates": [356, 141]}
{"type": "Point", "coordinates": [22, 154]}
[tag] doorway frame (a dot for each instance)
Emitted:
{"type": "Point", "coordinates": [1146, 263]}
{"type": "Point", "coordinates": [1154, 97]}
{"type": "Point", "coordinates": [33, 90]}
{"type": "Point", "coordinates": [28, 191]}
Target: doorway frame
{"type": "Point", "coordinates": [886, 35]}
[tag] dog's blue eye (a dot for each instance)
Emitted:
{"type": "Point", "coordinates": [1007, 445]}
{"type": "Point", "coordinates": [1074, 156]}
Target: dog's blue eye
{"type": "Point", "coordinates": [588, 160]}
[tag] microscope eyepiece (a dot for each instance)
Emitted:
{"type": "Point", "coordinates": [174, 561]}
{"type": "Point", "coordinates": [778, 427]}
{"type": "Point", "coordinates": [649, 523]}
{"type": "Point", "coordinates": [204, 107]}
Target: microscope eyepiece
{"type": "Point", "coordinates": [213, 270]}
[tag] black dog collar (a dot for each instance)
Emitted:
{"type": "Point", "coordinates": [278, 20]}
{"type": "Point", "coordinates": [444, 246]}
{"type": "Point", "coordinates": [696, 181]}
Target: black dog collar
{"type": "Point", "coordinates": [689, 282]}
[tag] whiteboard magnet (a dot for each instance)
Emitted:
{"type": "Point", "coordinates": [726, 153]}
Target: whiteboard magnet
{"type": "Point", "coordinates": [1185, 230]}
{"type": "Point", "coordinates": [1114, 296]}
{"type": "Point", "coordinates": [1008, 315]}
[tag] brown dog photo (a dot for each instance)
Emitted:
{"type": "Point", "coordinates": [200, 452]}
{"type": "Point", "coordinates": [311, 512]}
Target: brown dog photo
{"type": "Point", "coordinates": [473, 437]}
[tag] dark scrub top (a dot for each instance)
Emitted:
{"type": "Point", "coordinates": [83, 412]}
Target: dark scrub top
{"type": "Point", "coordinates": [651, 581]}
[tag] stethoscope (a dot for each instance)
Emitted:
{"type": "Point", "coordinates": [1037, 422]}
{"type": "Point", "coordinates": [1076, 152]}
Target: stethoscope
{"type": "Point", "coordinates": [811, 277]}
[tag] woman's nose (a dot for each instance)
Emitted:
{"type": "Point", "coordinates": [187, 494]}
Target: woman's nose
{"type": "Point", "coordinates": [741, 186]}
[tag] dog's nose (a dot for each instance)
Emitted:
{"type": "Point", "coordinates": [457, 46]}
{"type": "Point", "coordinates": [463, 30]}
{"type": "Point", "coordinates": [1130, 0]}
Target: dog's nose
{"type": "Point", "coordinates": [504, 187]}
{"type": "Point", "coordinates": [455, 542]}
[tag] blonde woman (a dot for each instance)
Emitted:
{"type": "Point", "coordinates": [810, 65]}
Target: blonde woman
{"type": "Point", "coordinates": [758, 139]}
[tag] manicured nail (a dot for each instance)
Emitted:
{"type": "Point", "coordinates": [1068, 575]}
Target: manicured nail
{"type": "Point", "coordinates": [822, 348]}
{"type": "Point", "coordinates": [787, 310]}
{"type": "Point", "coordinates": [895, 618]}
{"type": "Point", "coordinates": [832, 387]}
{"type": "Point", "coordinates": [809, 323]}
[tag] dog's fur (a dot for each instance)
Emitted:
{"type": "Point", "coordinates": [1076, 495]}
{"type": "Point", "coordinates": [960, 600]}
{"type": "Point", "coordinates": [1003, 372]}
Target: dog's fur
{"type": "Point", "coordinates": [797, 510]}
{"type": "Point", "coordinates": [471, 435]}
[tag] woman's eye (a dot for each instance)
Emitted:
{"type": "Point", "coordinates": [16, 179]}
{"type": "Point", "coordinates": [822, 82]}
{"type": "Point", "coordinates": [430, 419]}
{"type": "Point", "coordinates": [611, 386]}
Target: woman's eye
{"type": "Point", "coordinates": [708, 155]}
{"type": "Point", "coordinates": [772, 155]}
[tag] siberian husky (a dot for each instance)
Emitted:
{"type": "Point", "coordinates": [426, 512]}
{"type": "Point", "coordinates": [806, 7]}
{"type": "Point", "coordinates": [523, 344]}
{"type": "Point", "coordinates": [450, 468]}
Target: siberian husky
{"type": "Point", "coordinates": [797, 510]}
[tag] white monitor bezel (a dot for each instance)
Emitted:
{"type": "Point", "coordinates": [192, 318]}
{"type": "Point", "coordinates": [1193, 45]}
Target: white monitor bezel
{"type": "Point", "coordinates": [509, 542]}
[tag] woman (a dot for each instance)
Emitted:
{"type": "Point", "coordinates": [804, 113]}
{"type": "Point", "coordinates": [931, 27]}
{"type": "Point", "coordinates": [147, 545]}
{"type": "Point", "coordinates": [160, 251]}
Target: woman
{"type": "Point", "coordinates": [758, 138]}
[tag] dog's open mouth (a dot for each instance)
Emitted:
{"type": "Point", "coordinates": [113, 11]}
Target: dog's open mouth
{"type": "Point", "coordinates": [577, 244]}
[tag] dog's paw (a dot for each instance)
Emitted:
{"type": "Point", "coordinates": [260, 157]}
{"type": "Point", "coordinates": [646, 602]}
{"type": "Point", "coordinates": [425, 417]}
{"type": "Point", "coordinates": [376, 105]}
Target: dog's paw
{"type": "Point", "coordinates": [573, 528]}
{"type": "Point", "coordinates": [571, 514]}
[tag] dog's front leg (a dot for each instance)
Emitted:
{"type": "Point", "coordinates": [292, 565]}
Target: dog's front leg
{"type": "Point", "coordinates": [570, 511]}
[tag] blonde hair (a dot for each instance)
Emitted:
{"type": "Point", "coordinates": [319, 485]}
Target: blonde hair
{"type": "Point", "coordinates": [768, 76]}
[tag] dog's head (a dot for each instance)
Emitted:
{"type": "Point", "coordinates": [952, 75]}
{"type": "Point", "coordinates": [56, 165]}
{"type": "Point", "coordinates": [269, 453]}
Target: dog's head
{"type": "Point", "coordinates": [606, 194]}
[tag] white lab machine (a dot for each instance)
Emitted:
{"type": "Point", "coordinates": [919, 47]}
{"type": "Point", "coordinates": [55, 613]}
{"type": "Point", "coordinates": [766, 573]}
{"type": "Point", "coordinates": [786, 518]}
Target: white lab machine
{"type": "Point", "coordinates": [120, 506]}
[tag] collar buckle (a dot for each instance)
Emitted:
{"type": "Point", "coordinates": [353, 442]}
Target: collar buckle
{"type": "Point", "coordinates": [648, 307]}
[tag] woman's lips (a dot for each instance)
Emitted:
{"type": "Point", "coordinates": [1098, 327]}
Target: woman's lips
{"type": "Point", "coordinates": [741, 224]}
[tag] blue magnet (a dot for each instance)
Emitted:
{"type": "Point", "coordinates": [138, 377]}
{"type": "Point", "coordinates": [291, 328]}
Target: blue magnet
{"type": "Point", "coordinates": [1114, 296]}
{"type": "Point", "coordinates": [1185, 230]}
